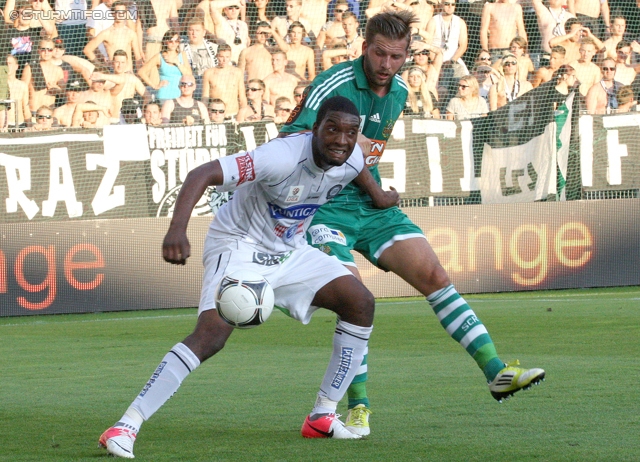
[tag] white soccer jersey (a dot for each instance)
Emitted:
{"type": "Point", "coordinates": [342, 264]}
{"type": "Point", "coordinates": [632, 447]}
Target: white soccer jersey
{"type": "Point", "coordinates": [278, 188]}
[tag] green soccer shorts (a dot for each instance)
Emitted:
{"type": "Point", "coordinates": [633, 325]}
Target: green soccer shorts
{"type": "Point", "coordinates": [338, 228]}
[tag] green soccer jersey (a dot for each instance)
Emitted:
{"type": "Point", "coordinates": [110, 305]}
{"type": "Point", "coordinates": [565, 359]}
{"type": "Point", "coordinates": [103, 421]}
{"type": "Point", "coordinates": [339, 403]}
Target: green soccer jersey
{"type": "Point", "coordinates": [377, 114]}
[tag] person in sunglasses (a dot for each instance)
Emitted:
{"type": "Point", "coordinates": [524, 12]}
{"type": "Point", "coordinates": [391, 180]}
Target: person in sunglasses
{"type": "Point", "coordinates": [185, 109]}
{"type": "Point", "coordinates": [43, 120]}
{"type": "Point", "coordinates": [163, 71]}
{"type": "Point", "coordinates": [225, 81]}
{"type": "Point", "coordinates": [602, 96]}
{"type": "Point", "coordinates": [44, 78]}
{"type": "Point", "coordinates": [217, 110]}
{"type": "Point", "coordinates": [510, 86]}
{"type": "Point", "coordinates": [283, 110]}
{"type": "Point", "coordinates": [229, 27]}
{"type": "Point", "coordinates": [428, 58]}
{"type": "Point", "coordinates": [467, 104]}
{"type": "Point", "coordinates": [257, 108]}
{"type": "Point", "coordinates": [333, 29]}
{"type": "Point", "coordinates": [255, 61]}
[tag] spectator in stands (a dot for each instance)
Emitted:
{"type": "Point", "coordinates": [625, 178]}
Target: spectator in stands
{"type": "Point", "coordinates": [602, 96]}
{"type": "Point", "coordinates": [117, 37]}
{"type": "Point", "coordinates": [225, 82]}
{"type": "Point", "coordinates": [154, 19]}
{"type": "Point", "coordinates": [618, 27]}
{"type": "Point", "coordinates": [72, 24]}
{"type": "Point", "coordinates": [44, 120]}
{"type": "Point", "coordinates": [44, 78]}
{"type": "Point", "coordinates": [19, 112]}
{"type": "Point", "coordinates": [35, 15]}
{"type": "Point", "coordinates": [90, 115]}
{"type": "Point", "coordinates": [257, 107]}
{"type": "Point", "coordinates": [572, 40]}
{"type": "Point", "coordinates": [131, 111]}
{"type": "Point", "coordinates": [419, 100]}
{"type": "Point", "coordinates": [229, 27]}
{"type": "Point", "coordinates": [100, 19]}
{"type": "Point", "coordinates": [587, 72]}
{"type": "Point", "coordinates": [163, 71]}
{"type": "Point", "coordinates": [67, 70]}
{"type": "Point", "coordinates": [64, 114]}
{"type": "Point", "coordinates": [626, 99]}
{"type": "Point", "coordinates": [333, 29]}
{"type": "Point", "coordinates": [217, 111]}
{"type": "Point", "coordinates": [625, 73]}
{"type": "Point", "coordinates": [279, 82]}
{"type": "Point", "coordinates": [185, 109]}
{"type": "Point", "coordinates": [282, 24]}
{"type": "Point", "coordinates": [424, 10]}
{"type": "Point", "coordinates": [501, 21]}
{"type": "Point", "coordinates": [510, 86]}
{"type": "Point", "coordinates": [551, 23]}
{"type": "Point", "coordinates": [467, 104]}
{"type": "Point", "coordinates": [487, 77]}
{"type": "Point", "coordinates": [335, 53]}
{"type": "Point", "coordinates": [151, 114]}
{"type": "Point", "coordinates": [429, 59]}
{"type": "Point", "coordinates": [449, 33]}
{"type": "Point", "coordinates": [283, 109]}
{"type": "Point", "coordinates": [257, 12]}
{"type": "Point", "coordinates": [20, 37]}
{"type": "Point", "coordinates": [302, 56]}
{"type": "Point", "coordinates": [519, 48]}
{"type": "Point", "coordinates": [631, 12]}
{"type": "Point", "coordinates": [483, 58]}
{"type": "Point", "coordinates": [544, 74]}
{"type": "Point", "coordinates": [125, 84]}
{"type": "Point", "coordinates": [98, 94]}
{"type": "Point", "coordinates": [201, 53]}
{"type": "Point", "coordinates": [353, 39]}
{"type": "Point", "coordinates": [315, 14]}
{"type": "Point", "coordinates": [566, 82]}
{"type": "Point", "coordinates": [255, 61]}
{"type": "Point", "coordinates": [588, 12]}
{"type": "Point", "coordinates": [298, 93]}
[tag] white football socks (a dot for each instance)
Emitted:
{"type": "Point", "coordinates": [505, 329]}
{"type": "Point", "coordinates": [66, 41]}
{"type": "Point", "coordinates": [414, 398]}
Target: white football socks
{"type": "Point", "coordinates": [165, 381]}
{"type": "Point", "coordinates": [349, 345]}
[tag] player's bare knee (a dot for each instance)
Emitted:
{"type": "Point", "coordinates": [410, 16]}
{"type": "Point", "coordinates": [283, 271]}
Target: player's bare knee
{"type": "Point", "coordinates": [359, 308]}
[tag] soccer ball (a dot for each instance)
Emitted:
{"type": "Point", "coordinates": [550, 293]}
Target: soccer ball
{"type": "Point", "coordinates": [244, 299]}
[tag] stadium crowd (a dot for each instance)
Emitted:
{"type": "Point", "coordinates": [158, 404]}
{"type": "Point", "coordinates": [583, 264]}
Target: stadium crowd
{"type": "Point", "coordinates": [90, 63]}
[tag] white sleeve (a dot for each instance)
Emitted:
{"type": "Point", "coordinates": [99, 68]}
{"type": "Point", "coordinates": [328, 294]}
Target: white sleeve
{"type": "Point", "coordinates": [271, 162]}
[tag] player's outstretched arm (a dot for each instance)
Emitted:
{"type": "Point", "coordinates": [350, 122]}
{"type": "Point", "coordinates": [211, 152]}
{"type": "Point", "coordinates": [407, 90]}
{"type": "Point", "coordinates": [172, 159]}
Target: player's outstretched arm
{"type": "Point", "coordinates": [381, 199]}
{"type": "Point", "coordinates": [175, 247]}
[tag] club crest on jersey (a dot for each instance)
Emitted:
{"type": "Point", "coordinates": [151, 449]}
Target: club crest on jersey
{"type": "Point", "coordinates": [295, 192]}
{"type": "Point", "coordinates": [267, 259]}
{"type": "Point", "coordinates": [297, 212]}
{"type": "Point", "coordinates": [334, 191]}
{"type": "Point", "coordinates": [388, 128]}
{"type": "Point", "coordinates": [321, 234]}
{"type": "Point", "coordinates": [377, 148]}
{"type": "Point", "coordinates": [246, 169]}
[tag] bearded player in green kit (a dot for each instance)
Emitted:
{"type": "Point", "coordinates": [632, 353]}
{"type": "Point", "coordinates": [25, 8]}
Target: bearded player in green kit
{"type": "Point", "coordinates": [374, 226]}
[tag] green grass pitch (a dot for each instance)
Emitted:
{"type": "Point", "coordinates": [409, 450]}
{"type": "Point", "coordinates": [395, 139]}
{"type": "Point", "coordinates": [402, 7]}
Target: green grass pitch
{"type": "Point", "coordinates": [67, 378]}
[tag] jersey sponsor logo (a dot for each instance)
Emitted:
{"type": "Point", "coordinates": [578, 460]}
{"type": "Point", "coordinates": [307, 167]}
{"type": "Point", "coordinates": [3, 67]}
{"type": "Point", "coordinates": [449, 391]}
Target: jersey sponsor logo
{"type": "Point", "coordinates": [294, 193]}
{"type": "Point", "coordinates": [287, 233]}
{"type": "Point", "coordinates": [334, 191]}
{"type": "Point", "coordinates": [267, 259]}
{"type": "Point", "coordinates": [377, 148]}
{"type": "Point", "coordinates": [153, 378]}
{"type": "Point", "coordinates": [246, 169]}
{"type": "Point", "coordinates": [346, 358]}
{"type": "Point", "coordinates": [321, 234]}
{"type": "Point", "coordinates": [375, 118]}
{"type": "Point", "coordinates": [297, 212]}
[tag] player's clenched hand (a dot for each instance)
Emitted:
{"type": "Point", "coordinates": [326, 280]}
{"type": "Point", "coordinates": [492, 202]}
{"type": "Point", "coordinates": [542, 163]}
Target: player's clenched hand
{"type": "Point", "coordinates": [176, 248]}
{"type": "Point", "coordinates": [387, 199]}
